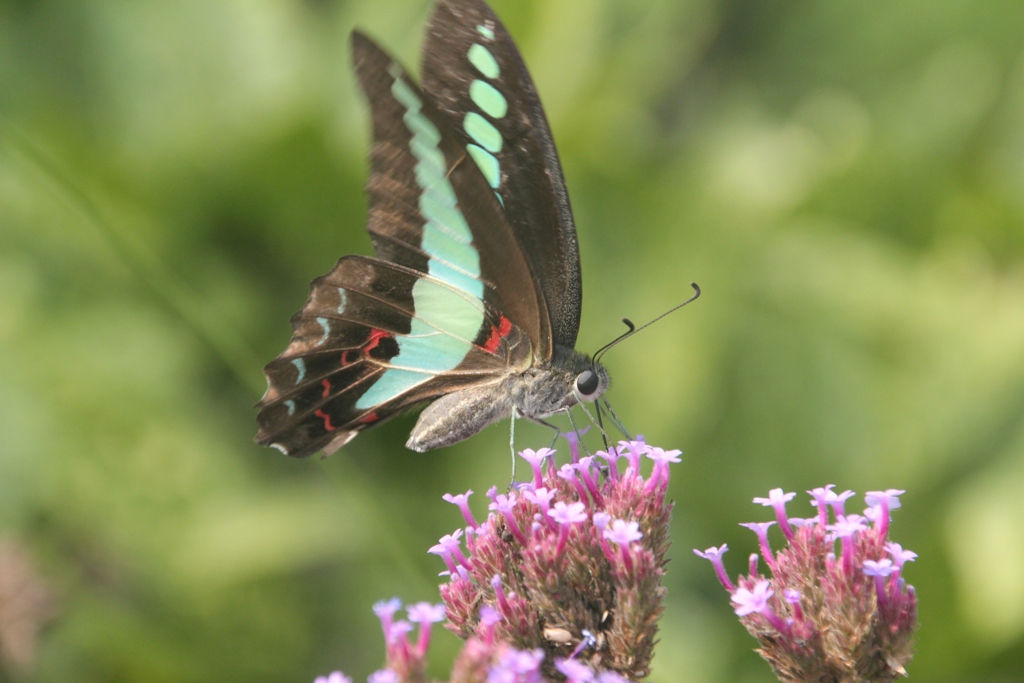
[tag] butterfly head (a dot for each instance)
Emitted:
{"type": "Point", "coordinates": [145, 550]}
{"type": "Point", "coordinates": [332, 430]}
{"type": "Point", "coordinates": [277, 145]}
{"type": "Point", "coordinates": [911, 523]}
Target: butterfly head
{"type": "Point", "coordinates": [586, 379]}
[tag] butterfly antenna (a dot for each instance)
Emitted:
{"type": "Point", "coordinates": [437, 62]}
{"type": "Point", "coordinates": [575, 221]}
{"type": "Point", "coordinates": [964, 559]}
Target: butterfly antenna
{"type": "Point", "coordinates": [633, 329]}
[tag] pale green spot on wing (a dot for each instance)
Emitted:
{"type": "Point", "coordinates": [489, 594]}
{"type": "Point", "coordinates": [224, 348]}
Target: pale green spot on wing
{"type": "Point", "coordinates": [439, 244]}
{"type": "Point", "coordinates": [487, 97]}
{"type": "Point", "coordinates": [484, 61]}
{"type": "Point", "coordinates": [300, 365]}
{"type": "Point", "coordinates": [421, 127]}
{"type": "Point", "coordinates": [448, 219]}
{"type": "Point", "coordinates": [481, 130]}
{"type": "Point", "coordinates": [441, 307]}
{"type": "Point", "coordinates": [439, 338]}
{"type": "Point", "coordinates": [326, 324]}
{"type": "Point", "coordinates": [448, 305]}
{"type": "Point", "coordinates": [431, 161]}
{"type": "Point", "coordinates": [389, 385]}
{"type": "Point", "coordinates": [456, 278]}
{"type": "Point", "coordinates": [427, 178]}
{"type": "Point", "coordinates": [406, 96]}
{"type": "Point", "coordinates": [428, 349]}
{"type": "Point", "coordinates": [487, 163]}
{"type": "Point", "coordinates": [486, 31]}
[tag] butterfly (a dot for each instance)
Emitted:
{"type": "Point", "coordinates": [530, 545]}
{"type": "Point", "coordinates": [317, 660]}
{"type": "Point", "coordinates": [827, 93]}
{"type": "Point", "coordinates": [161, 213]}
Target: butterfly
{"type": "Point", "coordinates": [473, 301]}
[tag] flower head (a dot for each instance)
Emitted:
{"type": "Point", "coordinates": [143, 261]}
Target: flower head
{"type": "Point", "coordinates": [532, 561]}
{"type": "Point", "coordinates": [899, 555]}
{"type": "Point", "coordinates": [333, 677]}
{"type": "Point", "coordinates": [756, 600]}
{"type": "Point", "coordinates": [573, 438]}
{"type": "Point", "coordinates": [849, 620]}
{"type": "Point", "coordinates": [847, 526]}
{"type": "Point", "coordinates": [385, 609]}
{"type": "Point", "coordinates": [462, 501]}
{"type": "Point", "coordinates": [577, 595]}
{"type": "Point", "coordinates": [570, 513]}
{"type": "Point", "coordinates": [574, 671]}
{"type": "Point", "coordinates": [661, 458]}
{"type": "Point", "coordinates": [777, 500]}
{"type": "Point", "coordinates": [635, 450]}
{"type": "Point", "coordinates": [517, 666]}
{"type": "Point", "coordinates": [622, 532]}
{"type": "Point", "coordinates": [536, 460]}
{"type": "Point", "coordinates": [611, 677]}
{"type": "Point", "coordinates": [880, 568]}
{"type": "Point", "coordinates": [540, 496]}
{"type": "Point", "coordinates": [715, 557]}
{"type": "Point", "coordinates": [761, 529]}
{"type": "Point", "coordinates": [890, 498]}
{"type": "Point", "coordinates": [838, 501]}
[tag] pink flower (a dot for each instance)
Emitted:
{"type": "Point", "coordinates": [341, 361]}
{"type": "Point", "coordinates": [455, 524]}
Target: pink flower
{"type": "Point", "coordinates": [828, 637]}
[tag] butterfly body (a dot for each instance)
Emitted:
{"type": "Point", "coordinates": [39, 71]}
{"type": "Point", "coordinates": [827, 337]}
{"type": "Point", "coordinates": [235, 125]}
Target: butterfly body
{"type": "Point", "coordinates": [472, 303]}
{"type": "Point", "coordinates": [535, 393]}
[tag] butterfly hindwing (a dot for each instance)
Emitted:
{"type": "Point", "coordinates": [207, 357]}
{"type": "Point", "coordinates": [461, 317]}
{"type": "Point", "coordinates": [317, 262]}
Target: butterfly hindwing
{"type": "Point", "coordinates": [474, 71]}
{"type": "Point", "coordinates": [361, 352]}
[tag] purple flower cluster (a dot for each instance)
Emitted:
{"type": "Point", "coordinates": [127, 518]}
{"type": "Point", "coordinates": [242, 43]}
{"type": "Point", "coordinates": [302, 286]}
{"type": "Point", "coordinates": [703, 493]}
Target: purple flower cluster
{"type": "Point", "coordinates": [406, 661]}
{"type": "Point", "coordinates": [570, 561]}
{"type": "Point", "coordinates": [562, 581]}
{"type": "Point", "coordinates": [823, 616]}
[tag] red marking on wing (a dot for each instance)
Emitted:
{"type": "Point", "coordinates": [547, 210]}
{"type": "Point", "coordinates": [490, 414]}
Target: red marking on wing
{"type": "Point", "coordinates": [497, 334]}
{"type": "Point", "coordinates": [327, 388]}
{"type": "Point", "coordinates": [344, 356]}
{"type": "Point", "coordinates": [492, 343]}
{"type": "Point", "coordinates": [375, 337]}
{"type": "Point", "coordinates": [327, 420]}
{"type": "Point", "coordinates": [369, 417]}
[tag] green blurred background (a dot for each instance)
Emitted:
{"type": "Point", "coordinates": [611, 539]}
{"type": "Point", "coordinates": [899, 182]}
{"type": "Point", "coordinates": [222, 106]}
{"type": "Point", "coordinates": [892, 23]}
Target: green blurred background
{"type": "Point", "coordinates": [845, 179]}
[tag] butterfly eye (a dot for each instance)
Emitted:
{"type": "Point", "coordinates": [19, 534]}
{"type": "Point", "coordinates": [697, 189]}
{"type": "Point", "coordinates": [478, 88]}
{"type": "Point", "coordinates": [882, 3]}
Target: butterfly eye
{"type": "Point", "coordinates": [586, 383]}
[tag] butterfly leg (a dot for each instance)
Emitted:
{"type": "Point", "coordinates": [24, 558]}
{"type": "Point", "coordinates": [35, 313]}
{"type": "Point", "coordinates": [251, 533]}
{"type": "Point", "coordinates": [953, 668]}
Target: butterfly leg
{"type": "Point", "coordinates": [576, 429]}
{"type": "Point", "coordinates": [512, 445]}
{"type": "Point", "coordinates": [590, 417]}
{"type": "Point", "coordinates": [554, 439]}
{"type": "Point", "coordinates": [558, 430]}
{"type": "Point", "coordinates": [600, 425]}
{"type": "Point", "coordinates": [618, 423]}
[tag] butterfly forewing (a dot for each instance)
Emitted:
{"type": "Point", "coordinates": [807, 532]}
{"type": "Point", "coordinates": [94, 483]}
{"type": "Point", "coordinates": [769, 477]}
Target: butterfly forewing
{"type": "Point", "coordinates": [430, 208]}
{"type": "Point", "coordinates": [476, 75]}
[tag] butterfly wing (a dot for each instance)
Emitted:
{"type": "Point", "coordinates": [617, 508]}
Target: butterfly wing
{"type": "Point", "coordinates": [474, 71]}
{"type": "Point", "coordinates": [373, 339]}
{"type": "Point", "coordinates": [449, 303]}
{"type": "Point", "coordinates": [430, 209]}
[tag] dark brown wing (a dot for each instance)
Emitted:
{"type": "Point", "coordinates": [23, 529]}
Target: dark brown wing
{"type": "Point", "coordinates": [430, 207]}
{"type": "Point", "coordinates": [362, 351]}
{"type": "Point", "coordinates": [473, 70]}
